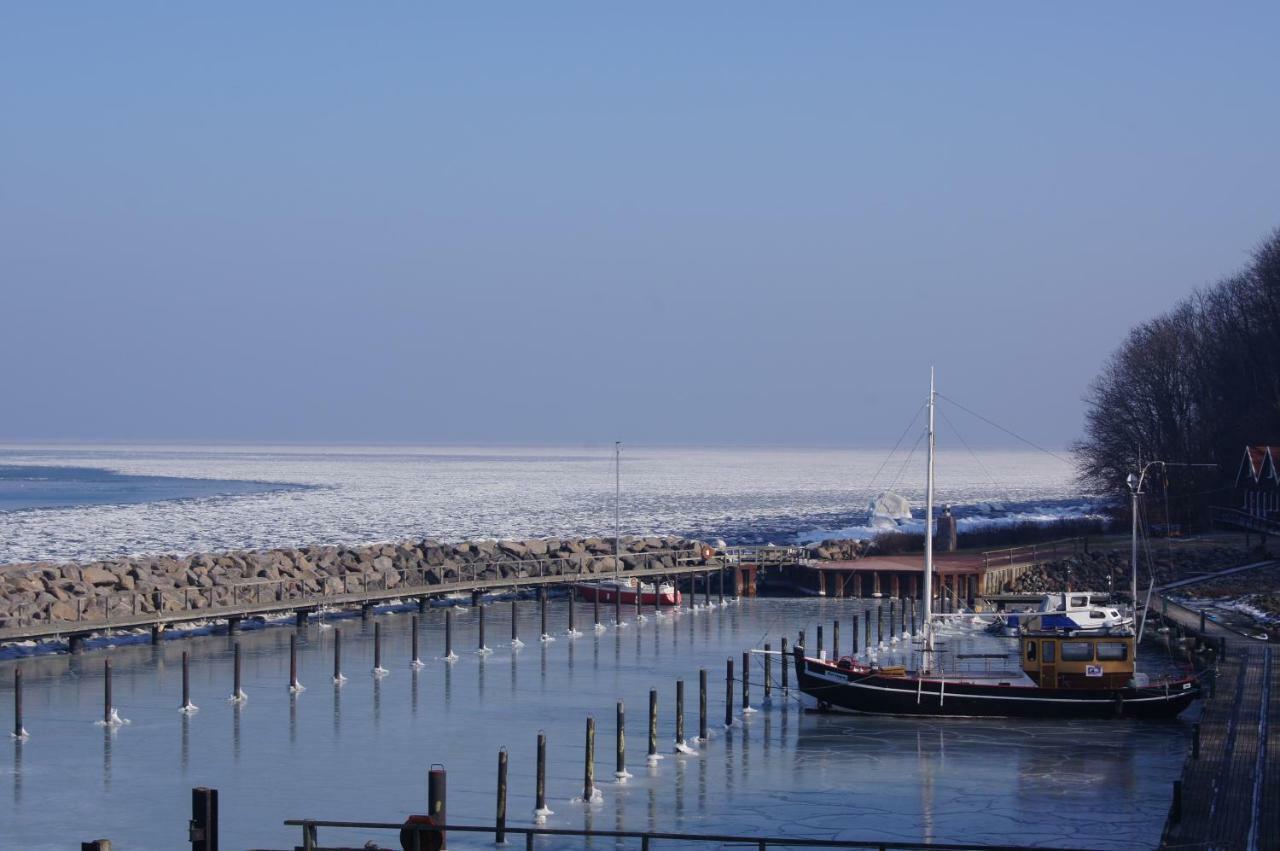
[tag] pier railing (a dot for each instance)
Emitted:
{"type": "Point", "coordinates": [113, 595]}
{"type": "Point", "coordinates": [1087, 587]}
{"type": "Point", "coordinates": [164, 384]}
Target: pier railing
{"type": "Point", "coordinates": [423, 836]}
{"type": "Point", "coordinates": [1031, 553]}
{"type": "Point", "coordinates": [253, 596]}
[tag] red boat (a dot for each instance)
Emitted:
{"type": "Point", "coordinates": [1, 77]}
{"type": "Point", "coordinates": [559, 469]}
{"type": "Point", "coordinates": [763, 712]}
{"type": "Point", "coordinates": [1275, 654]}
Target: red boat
{"type": "Point", "coordinates": [609, 590]}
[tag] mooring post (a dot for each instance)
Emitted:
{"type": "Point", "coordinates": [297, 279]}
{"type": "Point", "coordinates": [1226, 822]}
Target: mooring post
{"type": "Point", "coordinates": [728, 693]}
{"type": "Point", "coordinates": [706, 588]}
{"type": "Point", "coordinates": [595, 610]}
{"type": "Point", "coordinates": [679, 714]}
{"type": "Point", "coordinates": [500, 817]}
{"type": "Point", "coordinates": [337, 656]}
{"type": "Point", "coordinates": [589, 762]}
{"type": "Point", "coordinates": [515, 622]}
{"type": "Point", "coordinates": [448, 634]}
{"type": "Point", "coordinates": [300, 618]}
{"type": "Point", "coordinates": [187, 705]}
{"type": "Point", "coordinates": [293, 661]}
{"type": "Point", "coordinates": [866, 632]}
{"type": "Point", "coordinates": [721, 585]}
{"type": "Point", "coordinates": [746, 682]}
{"type": "Point", "coordinates": [620, 745]}
{"type": "Point", "coordinates": [96, 845]}
{"type": "Point", "coordinates": [1175, 811]}
{"type": "Point", "coordinates": [657, 596]}
{"type": "Point", "coordinates": [702, 704]}
{"type": "Point", "coordinates": [540, 783]}
{"type": "Point", "coordinates": [879, 624]}
{"type": "Point", "coordinates": [414, 657]}
{"type": "Point", "coordinates": [617, 600]}
{"type": "Point", "coordinates": [653, 724]}
{"type": "Point", "coordinates": [570, 631]}
{"type": "Point", "coordinates": [913, 617]}
{"type": "Point", "coordinates": [835, 639]}
{"type": "Point", "coordinates": [237, 693]}
{"type": "Point", "coordinates": [437, 795]}
{"type": "Point", "coordinates": [542, 604]}
{"type": "Point", "coordinates": [800, 639]}
{"type": "Point", "coordinates": [18, 731]}
{"type": "Point", "coordinates": [480, 638]}
{"type": "Point", "coordinates": [423, 603]}
{"type": "Point", "coordinates": [820, 644]}
{"type": "Point", "coordinates": [377, 648]}
{"type": "Point", "coordinates": [157, 633]}
{"type": "Point", "coordinates": [853, 638]}
{"type": "Point", "coordinates": [106, 692]}
{"type": "Point", "coordinates": [203, 830]}
{"type": "Point", "coordinates": [1195, 740]}
{"type": "Point", "coordinates": [786, 664]}
{"type": "Point", "coordinates": [768, 671]}
{"type": "Point", "coordinates": [893, 611]}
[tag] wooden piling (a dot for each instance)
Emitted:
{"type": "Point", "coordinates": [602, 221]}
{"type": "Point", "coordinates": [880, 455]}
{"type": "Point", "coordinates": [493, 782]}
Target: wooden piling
{"type": "Point", "coordinates": [879, 624]}
{"type": "Point", "coordinates": [515, 622]}
{"type": "Point", "coordinates": [721, 585]}
{"type": "Point", "coordinates": [893, 609]}
{"type": "Point", "coordinates": [540, 784]}
{"type": "Point", "coordinates": [448, 634]}
{"type": "Point", "coordinates": [437, 798]}
{"type": "Point", "coordinates": [106, 692]}
{"type": "Point", "coordinates": [595, 609]}
{"type": "Point", "coordinates": [679, 713]}
{"type": "Point", "coordinates": [617, 601]}
{"type": "Point", "coordinates": [203, 827]}
{"type": "Point", "coordinates": [500, 816]}
{"type": "Point", "coordinates": [728, 693]}
{"type": "Point", "coordinates": [913, 617]}
{"type": "Point", "coordinates": [480, 638]}
{"type": "Point", "coordinates": [786, 665]}
{"type": "Point", "coordinates": [866, 632]}
{"type": "Point", "coordinates": [653, 724]}
{"type": "Point", "coordinates": [293, 662]}
{"type": "Point", "coordinates": [746, 681]}
{"type": "Point", "coordinates": [572, 595]}
{"type": "Point", "coordinates": [820, 644]}
{"type": "Point", "coordinates": [236, 691]}
{"type": "Point", "coordinates": [620, 744]}
{"type": "Point", "coordinates": [337, 655]}
{"type": "Point", "coordinates": [186, 681]}
{"type": "Point", "coordinates": [702, 704]}
{"type": "Point", "coordinates": [542, 604]}
{"type": "Point", "coordinates": [377, 648]}
{"type": "Point", "coordinates": [414, 658]}
{"type": "Point", "coordinates": [589, 762]}
{"type": "Point", "coordinates": [835, 639]}
{"type": "Point", "coordinates": [18, 731]}
{"type": "Point", "coordinates": [706, 589]}
{"type": "Point", "coordinates": [853, 639]}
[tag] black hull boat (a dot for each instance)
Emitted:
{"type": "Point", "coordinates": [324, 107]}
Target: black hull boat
{"type": "Point", "coordinates": [853, 688]}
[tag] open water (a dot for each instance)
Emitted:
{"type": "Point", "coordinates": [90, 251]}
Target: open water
{"type": "Point", "coordinates": [361, 751]}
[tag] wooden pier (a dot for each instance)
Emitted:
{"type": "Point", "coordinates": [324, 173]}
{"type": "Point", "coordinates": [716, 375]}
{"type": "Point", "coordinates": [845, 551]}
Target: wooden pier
{"type": "Point", "coordinates": [1229, 794]}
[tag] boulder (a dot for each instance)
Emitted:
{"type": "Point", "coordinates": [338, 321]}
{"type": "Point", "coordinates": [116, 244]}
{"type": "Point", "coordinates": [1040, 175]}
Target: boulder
{"type": "Point", "coordinates": [98, 576]}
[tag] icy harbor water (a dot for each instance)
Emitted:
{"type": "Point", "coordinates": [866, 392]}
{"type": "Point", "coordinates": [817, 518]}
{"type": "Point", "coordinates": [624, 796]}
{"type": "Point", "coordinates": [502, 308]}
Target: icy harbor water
{"type": "Point", "coordinates": [361, 751]}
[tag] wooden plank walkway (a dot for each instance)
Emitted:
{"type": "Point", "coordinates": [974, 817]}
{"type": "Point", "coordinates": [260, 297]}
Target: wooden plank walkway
{"type": "Point", "coordinates": [1230, 793]}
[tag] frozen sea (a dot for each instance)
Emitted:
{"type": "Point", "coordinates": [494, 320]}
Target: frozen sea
{"type": "Point", "coordinates": [80, 502]}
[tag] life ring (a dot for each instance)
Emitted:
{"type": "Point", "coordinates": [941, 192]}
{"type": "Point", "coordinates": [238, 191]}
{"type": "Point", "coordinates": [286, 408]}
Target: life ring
{"type": "Point", "coordinates": [427, 841]}
{"type": "Point", "coordinates": [707, 552]}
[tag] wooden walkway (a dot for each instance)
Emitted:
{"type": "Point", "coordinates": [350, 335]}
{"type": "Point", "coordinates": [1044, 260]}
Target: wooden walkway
{"type": "Point", "coordinates": [1230, 791]}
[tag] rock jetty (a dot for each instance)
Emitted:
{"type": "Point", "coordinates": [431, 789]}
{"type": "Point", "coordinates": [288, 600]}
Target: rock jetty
{"type": "Point", "coordinates": [45, 592]}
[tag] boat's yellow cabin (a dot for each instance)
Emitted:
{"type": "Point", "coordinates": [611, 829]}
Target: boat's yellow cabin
{"type": "Point", "coordinates": [1057, 659]}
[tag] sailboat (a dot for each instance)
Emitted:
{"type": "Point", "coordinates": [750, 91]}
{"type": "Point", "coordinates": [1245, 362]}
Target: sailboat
{"type": "Point", "coordinates": [1064, 672]}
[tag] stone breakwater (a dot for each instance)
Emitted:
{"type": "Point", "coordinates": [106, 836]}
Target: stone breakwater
{"type": "Point", "coordinates": [47, 593]}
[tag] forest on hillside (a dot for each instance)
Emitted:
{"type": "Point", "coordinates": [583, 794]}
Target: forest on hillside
{"type": "Point", "coordinates": [1195, 384]}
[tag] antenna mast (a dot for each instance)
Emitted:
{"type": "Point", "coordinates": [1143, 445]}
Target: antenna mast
{"type": "Point", "coordinates": [926, 660]}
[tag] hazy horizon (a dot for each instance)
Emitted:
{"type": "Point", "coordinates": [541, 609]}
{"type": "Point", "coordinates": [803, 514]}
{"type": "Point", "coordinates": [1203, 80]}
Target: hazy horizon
{"type": "Point", "coordinates": [721, 225]}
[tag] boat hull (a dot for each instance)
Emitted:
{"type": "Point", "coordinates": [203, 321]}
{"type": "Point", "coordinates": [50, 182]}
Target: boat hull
{"type": "Point", "coordinates": [608, 594]}
{"type": "Point", "coordinates": [874, 693]}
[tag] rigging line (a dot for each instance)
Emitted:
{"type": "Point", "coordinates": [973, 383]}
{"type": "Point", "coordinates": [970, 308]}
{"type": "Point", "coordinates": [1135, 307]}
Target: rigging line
{"type": "Point", "coordinates": [907, 460]}
{"type": "Point", "coordinates": [1015, 435]}
{"type": "Point", "coordinates": [894, 450]}
{"type": "Point", "coordinates": [1007, 495]}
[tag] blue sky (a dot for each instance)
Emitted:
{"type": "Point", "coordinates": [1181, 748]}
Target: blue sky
{"type": "Point", "coordinates": [664, 222]}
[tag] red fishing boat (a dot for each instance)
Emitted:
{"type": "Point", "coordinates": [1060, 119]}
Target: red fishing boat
{"type": "Point", "coordinates": [609, 590]}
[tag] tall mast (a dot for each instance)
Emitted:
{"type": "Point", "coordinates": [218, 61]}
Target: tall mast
{"type": "Point", "coordinates": [926, 660]}
{"type": "Point", "coordinates": [617, 508]}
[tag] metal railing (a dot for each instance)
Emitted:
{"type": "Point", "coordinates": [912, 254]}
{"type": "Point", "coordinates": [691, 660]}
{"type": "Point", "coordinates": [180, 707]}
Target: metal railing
{"type": "Point", "coordinates": [417, 835]}
{"type": "Point", "coordinates": [765, 554]}
{"type": "Point", "coordinates": [1243, 520]}
{"type": "Point", "coordinates": [1031, 553]}
{"type": "Point", "coordinates": [257, 596]}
